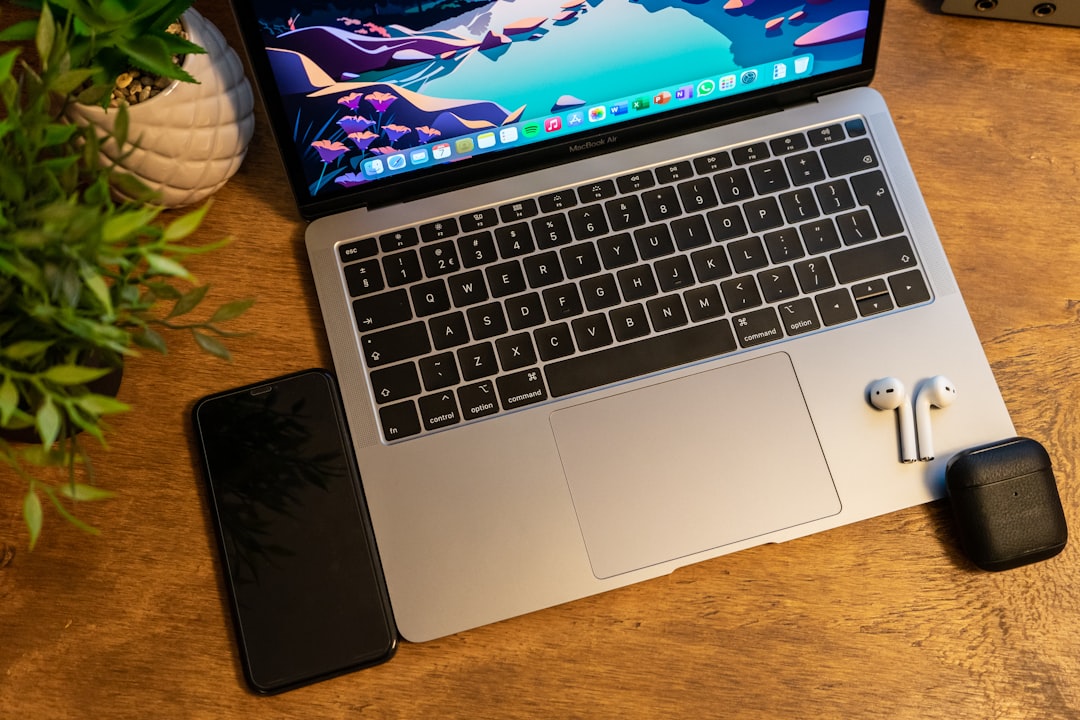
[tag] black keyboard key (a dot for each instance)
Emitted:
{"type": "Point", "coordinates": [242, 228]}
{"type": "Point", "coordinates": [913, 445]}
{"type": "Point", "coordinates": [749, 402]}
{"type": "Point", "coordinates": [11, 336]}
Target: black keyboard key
{"type": "Point", "coordinates": [674, 172]}
{"type": "Point", "coordinates": [505, 279]}
{"type": "Point", "coordinates": [673, 273]}
{"type": "Point", "coordinates": [698, 194]}
{"type": "Point", "coordinates": [477, 249]}
{"type": "Point", "coordinates": [880, 258]}
{"type": "Point", "coordinates": [734, 185]}
{"type": "Point", "coordinates": [635, 182]}
{"type": "Point", "coordinates": [874, 305]}
{"type": "Point", "coordinates": [629, 322]}
{"type": "Point", "coordinates": [726, 223]}
{"type": "Point", "coordinates": [690, 232]}
{"type": "Point", "coordinates": [478, 400]}
{"type": "Point", "coordinates": [856, 227]}
{"type": "Point", "coordinates": [479, 220]}
{"type": "Point", "coordinates": [814, 275]}
{"type": "Point", "coordinates": [524, 311]}
{"type": "Point", "coordinates": [399, 239]}
{"type": "Point", "coordinates": [402, 268]}
{"type": "Point", "coordinates": [439, 230]}
{"type": "Point", "coordinates": [661, 203]}
{"type": "Point", "coordinates": [849, 157]}
{"type": "Point", "coordinates": [748, 254]}
{"type": "Point", "coordinates": [580, 259]}
{"type": "Point", "coordinates": [909, 288]}
{"type": "Point", "coordinates": [467, 288]}
{"type": "Point", "coordinates": [554, 341]}
{"type": "Point", "coordinates": [710, 264]}
{"type": "Point", "coordinates": [805, 168]}
{"type": "Point", "coordinates": [382, 310]}
{"type": "Point", "coordinates": [825, 135]}
{"type": "Point", "coordinates": [543, 269]}
{"type": "Point", "coordinates": [559, 200]}
{"type": "Point", "coordinates": [711, 163]}
{"type": "Point", "coordinates": [600, 292]}
{"type": "Point", "coordinates": [625, 212]}
{"type": "Point", "coordinates": [750, 153]}
{"type": "Point", "coordinates": [769, 177]}
{"type": "Point", "coordinates": [358, 250]}
{"type": "Point", "coordinates": [799, 205]}
{"type": "Point", "coordinates": [521, 388]}
{"type": "Point", "coordinates": [592, 332]}
{"type": "Point", "coordinates": [515, 240]}
{"type": "Point", "coordinates": [869, 288]}
{"type": "Point", "coordinates": [819, 236]}
{"type": "Point", "coordinates": [777, 284]}
{"type": "Point", "coordinates": [703, 303]}
{"type": "Point", "coordinates": [439, 258]}
{"type": "Point", "coordinates": [622, 362]}
{"type": "Point", "coordinates": [740, 293]}
{"type": "Point", "coordinates": [783, 245]}
{"type": "Point", "coordinates": [617, 251]}
{"type": "Point", "coordinates": [439, 371]}
{"type": "Point", "coordinates": [477, 361]}
{"type": "Point", "coordinates": [430, 297]}
{"type": "Point", "coordinates": [486, 321]}
{"type": "Point", "coordinates": [637, 282]}
{"type": "Point", "coordinates": [394, 383]}
{"type": "Point", "coordinates": [763, 214]}
{"type": "Point", "coordinates": [798, 316]}
{"type": "Point", "coordinates": [599, 190]}
{"type": "Point", "coordinates": [563, 302]}
{"type": "Point", "coordinates": [653, 242]}
{"type": "Point", "coordinates": [448, 330]}
{"type": "Point", "coordinates": [588, 222]}
{"type": "Point", "coordinates": [666, 312]}
{"type": "Point", "coordinates": [835, 196]}
{"type": "Point", "coordinates": [400, 420]}
{"type": "Point", "coordinates": [364, 278]}
{"type": "Point", "coordinates": [520, 210]}
{"type": "Point", "coordinates": [395, 344]}
{"type": "Point", "coordinates": [872, 190]}
{"type": "Point", "coordinates": [550, 231]}
{"type": "Point", "coordinates": [788, 144]}
{"type": "Point", "coordinates": [515, 351]}
{"type": "Point", "coordinates": [835, 306]}
{"type": "Point", "coordinates": [757, 327]}
{"type": "Point", "coordinates": [439, 410]}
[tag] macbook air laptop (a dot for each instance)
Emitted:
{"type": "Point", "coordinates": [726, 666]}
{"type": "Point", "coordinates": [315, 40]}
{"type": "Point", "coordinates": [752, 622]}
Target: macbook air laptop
{"type": "Point", "coordinates": [606, 282]}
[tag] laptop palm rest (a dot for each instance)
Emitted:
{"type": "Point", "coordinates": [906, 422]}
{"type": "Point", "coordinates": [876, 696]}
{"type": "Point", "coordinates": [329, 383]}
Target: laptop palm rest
{"type": "Point", "coordinates": [646, 493]}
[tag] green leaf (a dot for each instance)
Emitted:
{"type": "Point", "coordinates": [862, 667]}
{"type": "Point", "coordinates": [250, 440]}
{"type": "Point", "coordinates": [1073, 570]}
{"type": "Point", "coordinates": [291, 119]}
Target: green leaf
{"type": "Point", "coordinates": [74, 374]}
{"type": "Point", "coordinates": [84, 493]}
{"type": "Point", "coordinates": [151, 340]}
{"type": "Point", "coordinates": [101, 404]}
{"type": "Point", "coordinates": [46, 33]}
{"type": "Point", "coordinates": [232, 310]}
{"type": "Point", "coordinates": [9, 400]}
{"type": "Point", "coordinates": [166, 266]}
{"type": "Point", "coordinates": [19, 32]}
{"type": "Point", "coordinates": [212, 345]}
{"type": "Point", "coordinates": [123, 225]}
{"type": "Point", "coordinates": [7, 61]}
{"type": "Point", "coordinates": [25, 349]}
{"type": "Point", "coordinates": [185, 224]}
{"type": "Point", "coordinates": [97, 286]}
{"type": "Point", "coordinates": [32, 516]}
{"type": "Point", "coordinates": [48, 422]}
{"type": "Point", "coordinates": [188, 301]}
{"type": "Point", "coordinates": [71, 80]}
{"type": "Point", "coordinates": [164, 291]}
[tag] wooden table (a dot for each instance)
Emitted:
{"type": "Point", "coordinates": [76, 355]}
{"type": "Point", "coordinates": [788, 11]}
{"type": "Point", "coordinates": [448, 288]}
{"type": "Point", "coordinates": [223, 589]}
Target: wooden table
{"type": "Point", "coordinates": [882, 619]}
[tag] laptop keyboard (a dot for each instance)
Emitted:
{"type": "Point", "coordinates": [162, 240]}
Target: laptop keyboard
{"type": "Point", "coordinates": [505, 307]}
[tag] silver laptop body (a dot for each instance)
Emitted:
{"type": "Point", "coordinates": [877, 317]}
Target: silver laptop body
{"type": "Point", "coordinates": [554, 490]}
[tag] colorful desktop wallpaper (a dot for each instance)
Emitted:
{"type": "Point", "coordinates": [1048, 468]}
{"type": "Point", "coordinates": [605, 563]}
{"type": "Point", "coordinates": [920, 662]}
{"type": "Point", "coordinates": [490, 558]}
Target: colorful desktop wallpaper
{"type": "Point", "coordinates": [372, 87]}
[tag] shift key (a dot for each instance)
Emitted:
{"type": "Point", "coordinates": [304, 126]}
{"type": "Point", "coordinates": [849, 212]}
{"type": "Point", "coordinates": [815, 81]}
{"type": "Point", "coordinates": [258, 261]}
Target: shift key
{"type": "Point", "coordinates": [873, 260]}
{"type": "Point", "coordinates": [398, 343]}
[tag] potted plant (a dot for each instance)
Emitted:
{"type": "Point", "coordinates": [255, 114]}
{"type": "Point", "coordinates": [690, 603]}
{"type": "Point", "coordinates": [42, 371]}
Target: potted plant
{"type": "Point", "coordinates": [87, 279]}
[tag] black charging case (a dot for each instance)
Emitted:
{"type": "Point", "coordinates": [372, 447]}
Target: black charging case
{"type": "Point", "coordinates": [1006, 504]}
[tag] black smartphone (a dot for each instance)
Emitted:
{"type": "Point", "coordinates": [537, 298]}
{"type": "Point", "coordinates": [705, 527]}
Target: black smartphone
{"type": "Point", "coordinates": [306, 588]}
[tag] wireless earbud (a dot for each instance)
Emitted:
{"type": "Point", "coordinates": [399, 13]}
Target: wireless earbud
{"type": "Point", "coordinates": [938, 392]}
{"type": "Point", "coordinates": [888, 394]}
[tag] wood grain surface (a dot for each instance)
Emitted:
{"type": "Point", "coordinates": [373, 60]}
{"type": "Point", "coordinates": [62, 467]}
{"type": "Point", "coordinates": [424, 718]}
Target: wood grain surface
{"type": "Point", "coordinates": [881, 619]}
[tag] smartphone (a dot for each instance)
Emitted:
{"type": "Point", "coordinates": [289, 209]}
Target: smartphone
{"type": "Point", "coordinates": [306, 588]}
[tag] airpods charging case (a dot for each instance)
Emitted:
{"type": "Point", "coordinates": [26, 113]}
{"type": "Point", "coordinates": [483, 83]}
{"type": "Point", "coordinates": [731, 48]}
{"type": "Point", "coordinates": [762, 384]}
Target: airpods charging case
{"type": "Point", "coordinates": [1006, 504]}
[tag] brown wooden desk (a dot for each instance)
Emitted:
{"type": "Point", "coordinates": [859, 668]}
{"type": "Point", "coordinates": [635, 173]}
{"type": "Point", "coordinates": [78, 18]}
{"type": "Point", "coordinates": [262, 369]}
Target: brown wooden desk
{"type": "Point", "coordinates": [883, 619]}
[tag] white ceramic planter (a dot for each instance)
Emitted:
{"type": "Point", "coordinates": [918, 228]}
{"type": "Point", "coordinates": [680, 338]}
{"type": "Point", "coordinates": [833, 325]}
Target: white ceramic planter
{"type": "Point", "coordinates": [191, 138]}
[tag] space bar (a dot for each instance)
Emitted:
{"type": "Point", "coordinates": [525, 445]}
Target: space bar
{"type": "Point", "coordinates": [630, 360]}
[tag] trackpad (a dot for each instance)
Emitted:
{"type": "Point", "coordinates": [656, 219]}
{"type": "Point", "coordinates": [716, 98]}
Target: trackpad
{"type": "Point", "coordinates": [693, 464]}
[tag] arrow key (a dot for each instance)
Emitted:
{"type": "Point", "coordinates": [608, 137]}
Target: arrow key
{"type": "Point", "coordinates": [909, 288]}
{"type": "Point", "coordinates": [835, 306]}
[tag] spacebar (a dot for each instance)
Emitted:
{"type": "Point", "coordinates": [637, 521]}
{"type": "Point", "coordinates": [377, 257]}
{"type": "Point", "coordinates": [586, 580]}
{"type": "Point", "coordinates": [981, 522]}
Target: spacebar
{"type": "Point", "coordinates": [653, 354]}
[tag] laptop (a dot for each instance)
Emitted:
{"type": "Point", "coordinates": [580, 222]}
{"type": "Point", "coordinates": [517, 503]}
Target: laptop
{"type": "Point", "coordinates": [606, 282]}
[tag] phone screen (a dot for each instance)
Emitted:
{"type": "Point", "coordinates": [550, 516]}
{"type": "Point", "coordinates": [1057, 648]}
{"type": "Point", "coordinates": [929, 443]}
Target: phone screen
{"type": "Point", "coordinates": [308, 598]}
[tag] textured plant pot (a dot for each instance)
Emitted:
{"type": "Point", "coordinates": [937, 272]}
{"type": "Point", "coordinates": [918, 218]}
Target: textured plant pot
{"type": "Point", "coordinates": [191, 138]}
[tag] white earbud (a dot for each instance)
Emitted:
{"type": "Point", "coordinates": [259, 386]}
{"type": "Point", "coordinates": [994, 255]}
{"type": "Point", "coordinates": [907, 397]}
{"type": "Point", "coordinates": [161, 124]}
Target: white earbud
{"type": "Point", "coordinates": [888, 394]}
{"type": "Point", "coordinates": [938, 392]}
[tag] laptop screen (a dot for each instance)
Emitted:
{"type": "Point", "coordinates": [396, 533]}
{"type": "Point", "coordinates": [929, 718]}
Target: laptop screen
{"type": "Point", "coordinates": [370, 94]}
